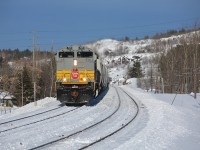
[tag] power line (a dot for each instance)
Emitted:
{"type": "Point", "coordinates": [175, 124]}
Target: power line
{"type": "Point", "coordinates": [43, 35]}
{"type": "Point", "coordinates": [126, 27]}
{"type": "Point", "coordinates": [14, 33]}
{"type": "Point", "coordinates": [107, 28]}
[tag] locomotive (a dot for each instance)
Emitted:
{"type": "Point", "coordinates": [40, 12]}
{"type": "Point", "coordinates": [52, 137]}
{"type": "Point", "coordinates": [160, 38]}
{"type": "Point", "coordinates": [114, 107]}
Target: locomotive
{"type": "Point", "coordinates": [80, 75]}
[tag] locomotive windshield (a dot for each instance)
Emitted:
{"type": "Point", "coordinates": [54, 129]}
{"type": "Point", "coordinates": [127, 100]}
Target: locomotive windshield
{"type": "Point", "coordinates": [84, 54]}
{"type": "Point", "coordinates": [66, 54]}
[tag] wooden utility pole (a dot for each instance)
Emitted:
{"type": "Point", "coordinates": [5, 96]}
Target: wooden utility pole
{"type": "Point", "coordinates": [52, 69]}
{"type": "Point", "coordinates": [151, 77]}
{"type": "Point", "coordinates": [22, 90]}
{"type": "Point", "coordinates": [163, 87]}
{"type": "Point", "coordinates": [195, 78]}
{"type": "Point", "coordinates": [34, 68]}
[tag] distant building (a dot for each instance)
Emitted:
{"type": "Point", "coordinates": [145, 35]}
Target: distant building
{"type": "Point", "coordinates": [6, 97]}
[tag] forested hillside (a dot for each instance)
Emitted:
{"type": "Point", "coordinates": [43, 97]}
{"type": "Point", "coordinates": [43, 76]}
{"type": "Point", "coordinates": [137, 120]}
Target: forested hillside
{"type": "Point", "coordinates": [17, 71]}
{"type": "Point", "coordinates": [168, 65]}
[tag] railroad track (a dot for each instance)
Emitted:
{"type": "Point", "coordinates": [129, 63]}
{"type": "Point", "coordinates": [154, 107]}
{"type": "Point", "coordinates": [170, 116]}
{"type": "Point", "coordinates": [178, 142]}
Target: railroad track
{"type": "Point", "coordinates": [124, 126]}
{"type": "Point", "coordinates": [67, 137]}
{"type": "Point", "coordinates": [34, 122]}
{"type": "Point", "coordinates": [10, 121]}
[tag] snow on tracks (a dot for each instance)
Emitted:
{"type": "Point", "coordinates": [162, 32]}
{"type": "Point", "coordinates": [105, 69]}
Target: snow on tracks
{"type": "Point", "coordinates": [29, 120]}
{"type": "Point", "coordinates": [82, 127]}
{"type": "Point", "coordinates": [125, 112]}
{"type": "Point", "coordinates": [33, 135]}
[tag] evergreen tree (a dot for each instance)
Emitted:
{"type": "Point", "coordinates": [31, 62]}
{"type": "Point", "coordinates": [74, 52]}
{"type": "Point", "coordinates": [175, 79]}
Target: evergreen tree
{"type": "Point", "coordinates": [1, 61]}
{"type": "Point", "coordinates": [41, 85]}
{"type": "Point", "coordinates": [24, 87]}
{"type": "Point", "coordinates": [135, 71]}
{"type": "Point", "coordinates": [28, 86]}
{"type": "Point", "coordinates": [18, 89]}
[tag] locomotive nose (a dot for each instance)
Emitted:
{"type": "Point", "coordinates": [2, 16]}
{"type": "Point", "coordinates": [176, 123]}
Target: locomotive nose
{"type": "Point", "coordinates": [75, 73]}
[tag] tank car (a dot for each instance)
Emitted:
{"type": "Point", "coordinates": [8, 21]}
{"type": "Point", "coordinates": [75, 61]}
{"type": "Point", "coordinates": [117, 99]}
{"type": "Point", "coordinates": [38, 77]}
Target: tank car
{"type": "Point", "coordinates": [80, 75]}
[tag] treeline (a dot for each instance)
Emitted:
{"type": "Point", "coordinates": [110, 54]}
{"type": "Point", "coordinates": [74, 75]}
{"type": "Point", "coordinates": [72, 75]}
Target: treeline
{"type": "Point", "coordinates": [179, 67]}
{"type": "Point", "coordinates": [175, 66]}
{"type": "Point", "coordinates": [172, 32]}
{"type": "Point", "coordinates": [17, 74]}
{"type": "Point", "coordinates": [15, 54]}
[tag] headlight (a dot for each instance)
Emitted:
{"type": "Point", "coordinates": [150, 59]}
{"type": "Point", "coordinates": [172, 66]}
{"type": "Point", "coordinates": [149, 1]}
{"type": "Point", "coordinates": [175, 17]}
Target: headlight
{"type": "Point", "coordinates": [84, 79]}
{"type": "Point", "coordinates": [64, 79]}
{"type": "Point", "coordinates": [75, 62]}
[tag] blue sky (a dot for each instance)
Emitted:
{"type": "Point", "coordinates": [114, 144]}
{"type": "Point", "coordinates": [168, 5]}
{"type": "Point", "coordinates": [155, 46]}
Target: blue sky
{"type": "Point", "coordinates": [68, 22]}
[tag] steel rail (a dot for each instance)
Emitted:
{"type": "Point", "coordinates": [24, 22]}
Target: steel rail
{"type": "Point", "coordinates": [109, 135]}
{"type": "Point", "coordinates": [39, 120]}
{"type": "Point", "coordinates": [80, 131]}
{"type": "Point", "coordinates": [29, 116]}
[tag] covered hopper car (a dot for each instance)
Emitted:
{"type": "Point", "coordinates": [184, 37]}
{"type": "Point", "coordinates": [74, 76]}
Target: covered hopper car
{"type": "Point", "coordinates": [80, 75]}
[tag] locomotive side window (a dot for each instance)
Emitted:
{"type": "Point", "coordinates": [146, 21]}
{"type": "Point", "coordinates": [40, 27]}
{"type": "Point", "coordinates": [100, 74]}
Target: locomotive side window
{"type": "Point", "coordinates": [84, 54]}
{"type": "Point", "coordinates": [66, 54]}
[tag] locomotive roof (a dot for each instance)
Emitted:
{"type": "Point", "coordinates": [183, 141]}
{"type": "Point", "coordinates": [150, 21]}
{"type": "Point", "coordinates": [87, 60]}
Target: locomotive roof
{"type": "Point", "coordinates": [75, 48]}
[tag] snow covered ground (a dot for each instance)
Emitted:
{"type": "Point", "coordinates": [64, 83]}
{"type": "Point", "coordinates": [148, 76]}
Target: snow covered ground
{"type": "Point", "coordinates": [167, 126]}
{"type": "Point", "coordinates": [159, 124]}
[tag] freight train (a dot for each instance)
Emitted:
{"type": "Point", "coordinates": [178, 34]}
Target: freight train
{"type": "Point", "coordinates": [80, 75]}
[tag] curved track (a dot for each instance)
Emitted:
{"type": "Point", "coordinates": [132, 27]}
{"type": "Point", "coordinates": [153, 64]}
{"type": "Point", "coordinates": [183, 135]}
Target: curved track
{"type": "Point", "coordinates": [83, 128]}
{"type": "Point", "coordinates": [95, 125]}
{"type": "Point", "coordinates": [80, 131]}
{"type": "Point", "coordinates": [124, 125]}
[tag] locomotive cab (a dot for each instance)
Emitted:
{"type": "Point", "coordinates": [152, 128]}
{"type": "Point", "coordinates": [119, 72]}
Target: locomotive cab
{"type": "Point", "coordinates": [76, 75]}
